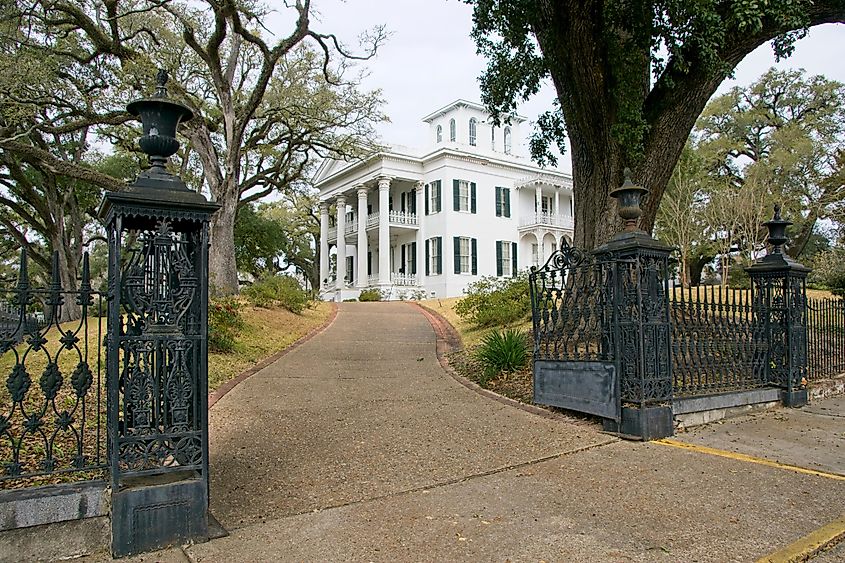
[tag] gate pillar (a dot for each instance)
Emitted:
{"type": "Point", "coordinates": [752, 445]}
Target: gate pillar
{"type": "Point", "coordinates": [157, 354]}
{"type": "Point", "coordinates": [640, 322]}
{"type": "Point", "coordinates": [779, 301]}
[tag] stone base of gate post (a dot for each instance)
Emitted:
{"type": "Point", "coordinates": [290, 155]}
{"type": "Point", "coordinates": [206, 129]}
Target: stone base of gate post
{"type": "Point", "coordinates": [795, 399]}
{"type": "Point", "coordinates": [159, 511]}
{"type": "Point", "coordinates": [647, 423]}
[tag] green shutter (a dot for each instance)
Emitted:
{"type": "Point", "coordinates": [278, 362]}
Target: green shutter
{"type": "Point", "coordinates": [427, 256]}
{"type": "Point", "coordinates": [426, 199]}
{"type": "Point", "coordinates": [513, 259]}
{"type": "Point", "coordinates": [456, 194]}
{"type": "Point", "coordinates": [506, 193]}
{"type": "Point", "coordinates": [472, 197]}
{"type": "Point", "coordinates": [457, 254]}
{"type": "Point", "coordinates": [403, 262]}
{"type": "Point", "coordinates": [439, 251]}
{"type": "Point", "coordinates": [498, 201]}
{"type": "Point", "coordinates": [499, 258]}
{"type": "Point", "coordinates": [414, 201]}
{"type": "Point", "coordinates": [413, 247]}
{"type": "Point", "coordinates": [474, 257]}
{"type": "Point", "coordinates": [438, 197]}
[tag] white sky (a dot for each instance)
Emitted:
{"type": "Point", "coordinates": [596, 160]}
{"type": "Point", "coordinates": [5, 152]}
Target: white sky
{"type": "Point", "coordinates": [430, 59]}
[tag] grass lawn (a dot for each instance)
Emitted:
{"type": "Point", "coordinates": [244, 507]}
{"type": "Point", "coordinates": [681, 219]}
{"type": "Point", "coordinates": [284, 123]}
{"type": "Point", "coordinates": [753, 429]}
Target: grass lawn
{"type": "Point", "coordinates": [265, 332]}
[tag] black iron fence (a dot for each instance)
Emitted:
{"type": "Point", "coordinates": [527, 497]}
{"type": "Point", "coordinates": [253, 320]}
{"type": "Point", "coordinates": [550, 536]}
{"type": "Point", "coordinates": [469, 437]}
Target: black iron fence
{"type": "Point", "coordinates": [716, 346]}
{"type": "Point", "coordinates": [825, 338]}
{"type": "Point", "coordinates": [52, 408]}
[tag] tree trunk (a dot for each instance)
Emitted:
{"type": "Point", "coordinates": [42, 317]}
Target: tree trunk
{"type": "Point", "coordinates": [222, 268]}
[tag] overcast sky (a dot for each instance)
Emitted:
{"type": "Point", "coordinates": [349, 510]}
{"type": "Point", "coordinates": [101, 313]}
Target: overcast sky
{"type": "Point", "coordinates": [430, 59]}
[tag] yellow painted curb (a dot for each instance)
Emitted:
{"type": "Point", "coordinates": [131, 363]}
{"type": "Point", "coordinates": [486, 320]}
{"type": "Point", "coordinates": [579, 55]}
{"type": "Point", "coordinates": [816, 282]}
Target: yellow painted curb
{"type": "Point", "coordinates": [808, 546]}
{"type": "Point", "coordinates": [747, 458]}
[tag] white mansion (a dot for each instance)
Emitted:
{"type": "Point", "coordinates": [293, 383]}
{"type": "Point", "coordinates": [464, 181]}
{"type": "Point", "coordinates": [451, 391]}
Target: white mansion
{"type": "Point", "coordinates": [433, 221]}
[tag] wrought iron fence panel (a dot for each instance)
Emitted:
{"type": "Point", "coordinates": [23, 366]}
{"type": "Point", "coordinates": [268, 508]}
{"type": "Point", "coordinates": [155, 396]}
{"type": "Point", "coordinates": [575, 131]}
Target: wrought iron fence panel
{"type": "Point", "coordinates": [52, 414]}
{"type": "Point", "coordinates": [825, 337]}
{"type": "Point", "coordinates": [716, 345]}
{"type": "Point", "coordinates": [571, 307]}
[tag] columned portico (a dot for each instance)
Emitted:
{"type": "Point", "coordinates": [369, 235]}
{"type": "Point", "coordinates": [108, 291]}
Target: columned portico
{"type": "Point", "coordinates": [363, 280]}
{"type": "Point", "coordinates": [420, 195]}
{"type": "Point", "coordinates": [384, 230]}
{"type": "Point", "coordinates": [341, 242]}
{"type": "Point", "coordinates": [324, 243]}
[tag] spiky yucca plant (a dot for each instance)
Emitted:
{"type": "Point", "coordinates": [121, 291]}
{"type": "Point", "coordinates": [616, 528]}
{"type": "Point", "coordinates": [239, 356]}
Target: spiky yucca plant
{"type": "Point", "coordinates": [503, 351]}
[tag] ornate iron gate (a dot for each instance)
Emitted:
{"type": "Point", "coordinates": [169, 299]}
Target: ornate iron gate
{"type": "Point", "coordinates": [572, 302]}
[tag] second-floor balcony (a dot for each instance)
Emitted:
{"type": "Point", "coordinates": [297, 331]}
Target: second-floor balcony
{"type": "Point", "coordinates": [395, 219]}
{"type": "Point", "coordinates": [546, 220]}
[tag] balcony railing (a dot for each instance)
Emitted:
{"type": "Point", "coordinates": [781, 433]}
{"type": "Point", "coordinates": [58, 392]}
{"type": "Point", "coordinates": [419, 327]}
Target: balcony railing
{"type": "Point", "coordinates": [546, 219]}
{"type": "Point", "coordinates": [403, 279]}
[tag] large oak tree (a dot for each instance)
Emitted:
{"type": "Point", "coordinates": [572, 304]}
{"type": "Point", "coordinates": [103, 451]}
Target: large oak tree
{"type": "Point", "coordinates": [631, 79]}
{"type": "Point", "coordinates": [268, 105]}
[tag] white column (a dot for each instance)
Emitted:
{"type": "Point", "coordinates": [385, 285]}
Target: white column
{"type": "Point", "coordinates": [363, 279]}
{"type": "Point", "coordinates": [557, 200]}
{"type": "Point", "coordinates": [341, 241]}
{"type": "Point", "coordinates": [420, 235]}
{"type": "Point", "coordinates": [539, 200]}
{"type": "Point", "coordinates": [324, 243]}
{"type": "Point", "coordinates": [383, 231]}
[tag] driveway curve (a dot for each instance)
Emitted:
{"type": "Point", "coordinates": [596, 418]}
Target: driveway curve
{"type": "Point", "coordinates": [363, 411]}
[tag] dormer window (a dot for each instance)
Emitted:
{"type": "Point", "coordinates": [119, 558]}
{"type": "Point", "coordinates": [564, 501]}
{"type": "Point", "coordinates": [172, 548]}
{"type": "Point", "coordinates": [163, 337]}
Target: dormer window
{"type": "Point", "coordinates": [439, 133]}
{"type": "Point", "coordinates": [453, 133]}
{"type": "Point", "coordinates": [507, 140]}
{"type": "Point", "coordinates": [473, 130]}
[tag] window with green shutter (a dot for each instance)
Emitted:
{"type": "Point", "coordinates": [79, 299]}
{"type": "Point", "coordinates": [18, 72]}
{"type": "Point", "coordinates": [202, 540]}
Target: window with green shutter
{"type": "Point", "coordinates": [498, 201]}
{"type": "Point", "coordinates": [463, 196]}
{"type": "Point", "coordinates": [433, 256]}
{"type": "Point", "coordinates": [499, 270]}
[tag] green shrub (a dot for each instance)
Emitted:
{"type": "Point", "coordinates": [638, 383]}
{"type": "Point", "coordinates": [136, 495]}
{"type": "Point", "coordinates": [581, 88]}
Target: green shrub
{"type": "Point", "coordinates": [224, 324]}
{"type": "Point", "coordinates": [502, 351]}
{"type": "Point", "coordinates": [277, 291]}
{"type": "Point", "coordinates": [493, 301]}
{"type": "Point", "coordinates": [828, 272]}
{"type": "Point", "coordinates": [370, 295]}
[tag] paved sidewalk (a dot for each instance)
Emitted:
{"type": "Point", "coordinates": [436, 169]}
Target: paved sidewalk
{"type": "Point", "coordinates": [357, 446]}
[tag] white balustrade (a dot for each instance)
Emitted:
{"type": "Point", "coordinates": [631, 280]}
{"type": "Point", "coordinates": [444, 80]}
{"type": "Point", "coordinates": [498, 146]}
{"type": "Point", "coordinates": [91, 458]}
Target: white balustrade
{"type": "Point", "coordinates": [394, 218]}
{"type": "Point", "coordinates": [403, 279]}
{"type": "Point", "coordinates": [331, 233]}
{"type": "Point", "coordinates": [372, 280]}
{"type": "Point", "coordinates": [549, 219]}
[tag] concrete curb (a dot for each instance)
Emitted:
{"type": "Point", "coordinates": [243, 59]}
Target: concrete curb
{"type": "Point", "coordinates": [221, 391]}
{"type": "Point", "coordinates": [448, 341]}
{"type": "Point", "coordinates": [809, 546]}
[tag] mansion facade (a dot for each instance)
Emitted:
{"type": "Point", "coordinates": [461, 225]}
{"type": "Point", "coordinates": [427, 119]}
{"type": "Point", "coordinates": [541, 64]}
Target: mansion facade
{"type": "Point", "coordinates": [428, 223]}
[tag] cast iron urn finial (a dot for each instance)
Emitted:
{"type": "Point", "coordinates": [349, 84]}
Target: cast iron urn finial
{"type": "Point", "coordinates": [159, 117]}
{"type": "Point", "coordinates": [628, 197]}
{"type": "Point", "coordinates": [777, 230]}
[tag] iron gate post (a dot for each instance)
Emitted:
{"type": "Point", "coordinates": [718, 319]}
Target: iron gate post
{"type": "Point", "coordinates": [157, 349]}
{"type": "Point", "coordinates": [641, 329]}
{"type": "Point", "coordinates": [779, 301]}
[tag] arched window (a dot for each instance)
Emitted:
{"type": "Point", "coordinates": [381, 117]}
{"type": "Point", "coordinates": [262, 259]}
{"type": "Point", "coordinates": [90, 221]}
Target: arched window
{"type": "Point", "coordinates": [439, 133]}
{"type": "Point", "coordinates": [507, 140]}
{"type": "Point", "coordinates": [493, 137]}
{"type": "Point", "coordinates": [473, 126]}
{"type": "Point", "coordinates": [453, 134]}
